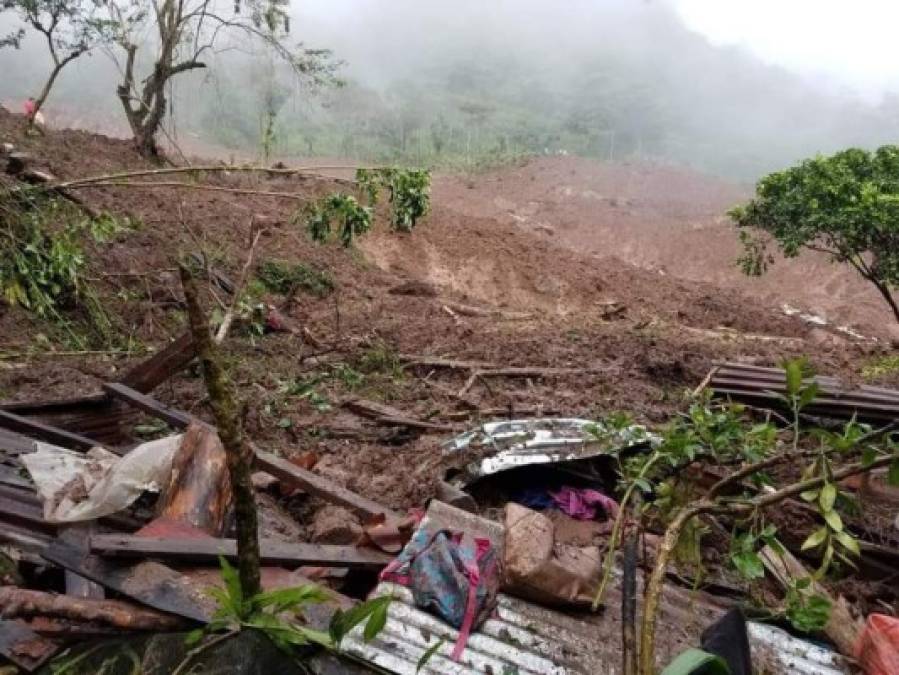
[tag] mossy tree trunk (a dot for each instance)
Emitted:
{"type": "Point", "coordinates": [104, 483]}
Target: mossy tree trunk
{"type": "Point", "coordinates": [223, 399]}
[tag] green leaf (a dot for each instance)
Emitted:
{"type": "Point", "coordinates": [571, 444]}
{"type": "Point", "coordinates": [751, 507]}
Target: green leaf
{"type": "Point", "coordinates": [828, 497]}
{"type": "Point", "coordinates": [816, 538]}
{"type": "Point", "coordinates": [808, 395]}
{"type": "Point", "coordinates": [423, 661]}
{"type": "Point", "coordinates": [893, 473]}
{"type": "Point", "coordinates": [194, 636]}
{"type": "Point", "coordinates": [869, 454]}
{"type": "Point", "coordinates": [376, 622]}
{"type": "Point", "coordinates": [643, 485]}
{"type": "Point", "coordinates": [697, 660]}
{"type": "Point", "coordinates": [294, 598]}
{"type": "Point", "coordinates": [810, 495]}
{"type": "Point", "coordinates": [344, 621]}
{"type": "Point", "coordinates": [832, 518]}
{"type": "Point", "coordinates": [810, 615]}
{"type": "Point", "coordinates": [849, 542]}
{"type": "Point", "coordinates": [749, 565]}
{"type": "Point", "coordinates": [231, 579]}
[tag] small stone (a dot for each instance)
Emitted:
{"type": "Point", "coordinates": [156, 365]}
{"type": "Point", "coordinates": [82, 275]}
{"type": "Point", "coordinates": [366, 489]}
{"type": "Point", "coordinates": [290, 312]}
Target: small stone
{"type": "Point", "coordinates": [335, 525]}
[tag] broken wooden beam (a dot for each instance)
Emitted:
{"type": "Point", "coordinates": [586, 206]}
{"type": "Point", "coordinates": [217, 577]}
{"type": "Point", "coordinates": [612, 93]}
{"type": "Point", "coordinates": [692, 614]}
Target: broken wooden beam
{"type": "Point", "coordinates": [25, 648]}
{"type": "Point", "coordinates": [150, 583]}
{"type": "Point", "coordinates": [198, 491]}
{"type": "Point", "coordinates": [318, 486]}
{"type": "Point", "coordinates": [22, 602]}
{"type": "Point", "coordinates": [206, 551]}
{"type": "Point", "coordinates": [306, 480]}
{"type": "Point", "coordinates": [150, 373]}
{"type": "Point", "coordinates": [174, 418]}
{"type": "Point", "coordinates": [45, 432]}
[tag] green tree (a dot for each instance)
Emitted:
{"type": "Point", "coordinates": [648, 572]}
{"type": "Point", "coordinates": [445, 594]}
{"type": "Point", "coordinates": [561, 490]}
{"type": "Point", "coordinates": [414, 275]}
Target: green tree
{"type": "Point", "coordinates": [845, 205]}
{"type": "Point", "coordinates": [71, 29]}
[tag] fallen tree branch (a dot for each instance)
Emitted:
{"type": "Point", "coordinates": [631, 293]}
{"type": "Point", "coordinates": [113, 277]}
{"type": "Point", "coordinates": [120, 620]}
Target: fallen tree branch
{"type": "Point", "coordinates": [523, 372]}
{"type": "Point", "coordinates": [314, 171]}
{"type": "Point", "coordinates": [21, 602]}
{"type": "Point", "coordinates": [238, 289]}
{"type": "Point", "coordinates": [195, 186]}
{"type": "Point", "coordinates": [387, 415]}
{"type": "Point", "coordinates": [412, 360]}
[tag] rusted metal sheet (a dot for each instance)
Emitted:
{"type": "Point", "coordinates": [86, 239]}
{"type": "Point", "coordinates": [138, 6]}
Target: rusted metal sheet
{"type": "Point", "coordinates": [527, 638]}
{"type": "Point", "coordinates": [761, 386]}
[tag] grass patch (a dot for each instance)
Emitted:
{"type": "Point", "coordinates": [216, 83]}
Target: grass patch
{"type": "Point", "coordinates": [882, 365]}
{"type": "Point", "coordinates": [285, 279]}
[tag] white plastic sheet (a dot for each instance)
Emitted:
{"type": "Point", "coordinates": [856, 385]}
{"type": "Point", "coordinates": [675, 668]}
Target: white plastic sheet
{"type": "Point", "coordinates": [76, 486]}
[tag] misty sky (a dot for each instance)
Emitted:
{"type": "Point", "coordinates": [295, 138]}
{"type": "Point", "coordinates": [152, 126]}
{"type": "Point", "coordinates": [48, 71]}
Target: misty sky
{"type": "Point", "coordinates": [847, 43]}
{"type": "Point", "coordinates": [851, 41]}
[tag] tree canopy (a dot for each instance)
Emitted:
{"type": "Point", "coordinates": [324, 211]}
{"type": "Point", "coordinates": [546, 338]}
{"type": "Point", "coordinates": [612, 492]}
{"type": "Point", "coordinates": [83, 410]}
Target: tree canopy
{"type": "Point", "coordinates": [845, 205]}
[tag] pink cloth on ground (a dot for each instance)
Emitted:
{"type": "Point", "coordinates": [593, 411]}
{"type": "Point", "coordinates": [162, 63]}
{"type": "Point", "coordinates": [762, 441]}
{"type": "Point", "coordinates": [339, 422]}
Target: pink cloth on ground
{"type": "Point", "coordinates": [581, 503]}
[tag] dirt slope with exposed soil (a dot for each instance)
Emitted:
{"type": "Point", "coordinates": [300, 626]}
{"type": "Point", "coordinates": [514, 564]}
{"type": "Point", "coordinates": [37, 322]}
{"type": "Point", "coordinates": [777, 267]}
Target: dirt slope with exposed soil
{"type": "Point", "coordinates": [667, 220]}
{"type": "Point", "coordinates": [644, 336]}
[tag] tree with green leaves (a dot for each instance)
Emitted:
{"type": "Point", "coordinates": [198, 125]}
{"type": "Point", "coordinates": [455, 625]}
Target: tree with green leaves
{"type": "Point", "coordinates": [845, 205]}
{"type": "Point", "coordinates": [70, 28]}
{"type": "Point", "coordinates": [657, 489]}
{"type": "Point", "coordinates": [186, 31]}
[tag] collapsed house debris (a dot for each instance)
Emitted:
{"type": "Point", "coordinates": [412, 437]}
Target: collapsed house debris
{"type": "Point", "coordinates": [72, 497]}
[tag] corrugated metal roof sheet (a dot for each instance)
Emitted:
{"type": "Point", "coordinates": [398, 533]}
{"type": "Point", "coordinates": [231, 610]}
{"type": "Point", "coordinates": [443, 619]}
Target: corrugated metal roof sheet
{"type": "Point", "coordinates": [525, 638]}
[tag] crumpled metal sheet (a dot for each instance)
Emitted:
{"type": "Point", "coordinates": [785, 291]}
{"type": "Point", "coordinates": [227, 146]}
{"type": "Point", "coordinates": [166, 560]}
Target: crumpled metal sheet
{"type": "Point", "coordinates": [516, 443]}
{"type": "Point", "coordinates": [774, 650]}
{"type": "Point", "coordinates": [526, 638]}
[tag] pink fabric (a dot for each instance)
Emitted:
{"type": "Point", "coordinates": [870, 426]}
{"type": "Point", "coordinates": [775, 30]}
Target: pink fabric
{"type": "Point", "coordinates": [474, 578]}
{"type": "Point", "coordinates": [29, 108]}
{"type": "Point", "coordinates": [581, 503]}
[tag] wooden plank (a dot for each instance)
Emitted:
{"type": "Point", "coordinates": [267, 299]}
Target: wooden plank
{"type": "Point", "coordinates": [316, 485]}
{"type": "Point", "coordinates": [151, 583]}
{"type": "Point", "coordinates": [55, 406]}
{"type": "Point", "coordinates": [312, 483]}
{"type": "Point", "coordinates": [150, 373]}
{"type": "Point", "coordinates": [45, 432]}
{"type": "Point", "coordinates": [24, 514]}
{"type": "Point", "coordinates": [12, 443]}
{"type": "Point", "coordinates": [174, 418]}
{"type": "Point", "coordinates": [207, 551]}
{"type": "Point", "coordinates": [78, 535]}
{"type": "Point", "coordinates": [21, 645]}
{"type": "Point", "coordinates": [198, 491]}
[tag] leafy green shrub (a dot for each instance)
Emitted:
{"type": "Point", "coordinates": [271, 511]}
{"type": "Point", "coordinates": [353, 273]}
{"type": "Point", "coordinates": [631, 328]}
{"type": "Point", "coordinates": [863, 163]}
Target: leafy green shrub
{"type": "Point", "coordinates": [845, 205]}
{"type": "Point", "coordinates": [408, 193]}
{"type": "Point", "coordinates": [280, 277]}
{"type": "Point", "coordinates": [39, 268]}
{"type": "Point", "coordinates": [42, 262]}
{"type": "Point", "coordinates": [351, 218]}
